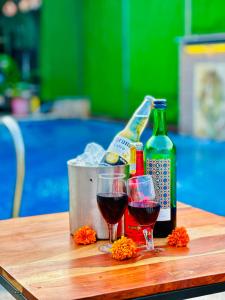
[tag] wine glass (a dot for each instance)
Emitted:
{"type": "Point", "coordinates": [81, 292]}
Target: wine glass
{"type": "Point", "coordinates": [143, 206]}
{"type": "Point", "coordinates": [112, 201]}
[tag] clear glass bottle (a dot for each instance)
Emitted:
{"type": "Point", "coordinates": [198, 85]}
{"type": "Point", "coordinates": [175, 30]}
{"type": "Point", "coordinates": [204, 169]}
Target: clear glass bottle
{"type": "Point", "coordinates": [160, 162]}
{"type": "Point", "coordinates": [118, 152]}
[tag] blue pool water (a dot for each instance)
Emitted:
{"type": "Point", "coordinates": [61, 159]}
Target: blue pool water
{"type": "Point", "coordinates": [49, 144]}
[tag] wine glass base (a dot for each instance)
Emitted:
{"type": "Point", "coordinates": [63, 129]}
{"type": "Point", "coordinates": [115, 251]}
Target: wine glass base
{"type": "Point", "coordinates": [143, 249]}
{"type": "Point", "coordinates": [106, 248]}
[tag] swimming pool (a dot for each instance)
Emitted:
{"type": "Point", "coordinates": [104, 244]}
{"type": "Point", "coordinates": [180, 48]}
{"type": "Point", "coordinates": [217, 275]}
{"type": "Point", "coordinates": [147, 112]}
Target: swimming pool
{"type": "Point", "coordinates": [50, 143]}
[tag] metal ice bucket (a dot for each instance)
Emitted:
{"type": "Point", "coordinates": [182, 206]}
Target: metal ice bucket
{"type": "Point", "coordinates": [82, 195]}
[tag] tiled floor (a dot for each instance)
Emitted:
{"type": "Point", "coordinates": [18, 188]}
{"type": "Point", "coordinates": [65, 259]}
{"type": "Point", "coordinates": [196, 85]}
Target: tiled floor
{"type": "Point", "coordinates": [4, 295]}
{"type": "Point", "coordinates": [219, 296]}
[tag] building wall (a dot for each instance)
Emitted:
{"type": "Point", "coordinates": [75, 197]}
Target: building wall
{"type": "Point", "coordinates": [115, 52]}
{"type": "Point", "coordinates": [59, 49]}
{"type": "Point", "coordinates": [103, 56]}
{"type": "Point", "coordinates": [208, 16]}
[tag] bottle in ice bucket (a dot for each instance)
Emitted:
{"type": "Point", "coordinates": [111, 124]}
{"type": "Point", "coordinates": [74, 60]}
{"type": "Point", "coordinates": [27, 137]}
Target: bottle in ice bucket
{"type": "Point", "coordinates": [131, 226]}
{"type": "Point", "coordinates": [160, 162]}
{"type": "Point", "coordinates": [118, 152]}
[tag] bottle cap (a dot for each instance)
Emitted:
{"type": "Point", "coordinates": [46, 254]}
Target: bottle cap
{"type": "Point", "coordinates": [149, 98]}
{"type": "Point", "coordinates": [138, 145]}
{"type": "Point", "coordinates": [160, 103]}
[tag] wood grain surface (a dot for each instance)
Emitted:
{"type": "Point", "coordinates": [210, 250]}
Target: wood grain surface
{"type": "Point", "coordinates": [39, 257]}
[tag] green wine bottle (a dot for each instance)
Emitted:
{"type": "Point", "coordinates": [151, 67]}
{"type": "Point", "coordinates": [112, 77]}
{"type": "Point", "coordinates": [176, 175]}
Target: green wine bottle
{"type": "Point", "coordinates": [160, 162]}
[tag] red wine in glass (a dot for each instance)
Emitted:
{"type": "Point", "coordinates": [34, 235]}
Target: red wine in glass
{"type": "Point", "coordinates": [143, 206]}
{"type": "Point", "coordinates": [112, 206]}
{"type": "Point", "coordinates": [145, 212]}
{"type": "Point", "coordinates": [112, 201]}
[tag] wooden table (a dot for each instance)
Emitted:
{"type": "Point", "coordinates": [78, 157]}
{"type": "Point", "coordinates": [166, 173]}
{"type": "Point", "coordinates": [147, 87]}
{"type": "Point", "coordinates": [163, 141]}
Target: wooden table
{"type": "Point", "coordinates": [39, 260]}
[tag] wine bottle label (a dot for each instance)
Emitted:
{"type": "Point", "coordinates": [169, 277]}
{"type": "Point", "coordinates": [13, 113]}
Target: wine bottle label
{"type": "Point", "coordinates": [159, 169]}
{"type": "Point", "coordinates": [119, 148]}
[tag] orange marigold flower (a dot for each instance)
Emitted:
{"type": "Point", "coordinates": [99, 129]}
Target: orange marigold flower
{"type": "Point", "coordinates": [179, 237]}
{"type": "Point", "coordinates": [123, 248]}
{"type": "Point", "coordinates": [85, 236]}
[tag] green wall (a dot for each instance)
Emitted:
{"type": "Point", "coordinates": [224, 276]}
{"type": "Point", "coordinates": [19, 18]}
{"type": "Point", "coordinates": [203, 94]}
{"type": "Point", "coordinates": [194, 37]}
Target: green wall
{"type": "Point", "coordinates": [59, 49]}
{"type": "Point", "coordinates": [208, 16]}
{"type": "Point", "coordinates": [116, 51]}
{"type": "Point", "coordinates": [102, 23]}
{"type": "Point", "coordinates": [153, 29]}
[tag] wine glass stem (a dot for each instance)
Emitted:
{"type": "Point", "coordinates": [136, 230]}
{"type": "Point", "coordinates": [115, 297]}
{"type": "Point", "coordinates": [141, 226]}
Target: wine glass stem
{"type": "Point", "coordinates": [148, 234]}
{"type": "Point", "coordinates": [112, 232]}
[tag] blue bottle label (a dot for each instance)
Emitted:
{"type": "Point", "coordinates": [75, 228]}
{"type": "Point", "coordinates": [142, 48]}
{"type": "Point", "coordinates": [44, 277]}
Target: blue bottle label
{"type": "Point", "coordinates": [159, 169]}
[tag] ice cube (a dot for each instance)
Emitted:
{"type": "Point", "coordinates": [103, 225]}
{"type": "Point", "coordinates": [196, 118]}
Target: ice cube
{"type": "Point", "coordinates": [82, 158]}
{"type": "Point", "coordinates": [93, 148]}
{"type": "Point", "coordinates": [93, 154]}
